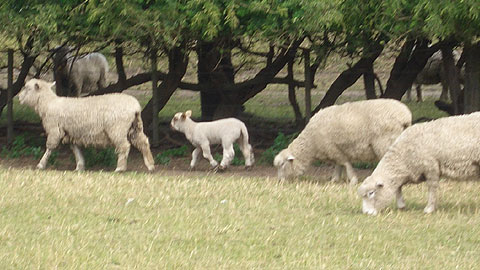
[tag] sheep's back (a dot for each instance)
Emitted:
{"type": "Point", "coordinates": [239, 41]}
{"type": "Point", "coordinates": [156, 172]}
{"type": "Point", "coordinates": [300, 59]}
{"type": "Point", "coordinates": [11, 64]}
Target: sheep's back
{"type": "Point", "coordinates": [94, 120]}
{"type": "Point", "coordinates": [451, 144]}
{"type": "Point", "coordinates": [356, 129]}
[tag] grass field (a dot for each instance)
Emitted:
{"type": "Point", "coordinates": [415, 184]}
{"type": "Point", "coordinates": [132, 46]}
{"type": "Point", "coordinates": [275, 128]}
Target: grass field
{"type": "Point", "coordinates": [99, 220]}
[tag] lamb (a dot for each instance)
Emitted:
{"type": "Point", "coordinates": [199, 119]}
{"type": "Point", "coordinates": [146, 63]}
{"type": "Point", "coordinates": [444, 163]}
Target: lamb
{"type": "Point", "coordinates": [112, 119]}
{"type": "Point", "coordinates": [87, 73]}
{"type": "Point", "coordinates": [342, 134]}
{"type": "Point", "coordinates": [224, 131]}
{"type": "Point", "coordinates": [445, 148]}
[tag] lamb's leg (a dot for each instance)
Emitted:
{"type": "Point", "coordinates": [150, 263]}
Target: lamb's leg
{"type": "Point", "coordinates": [337, 174]}
{"type": "Point", "coordinates": [228, 155]}
{"type": "Point", "coordinates": [78, 157]}
{"type": "Point", "coordinates": [122, 151]}
{"type": "Point", "coordinates": [352, 176]}
{"type": "Point", "coordinates": [206, 154]}
{"type": "Point", "coordinates": [400, 200]}
{"type": "Point", "coordinates": [432, 183]}
{"type": "Point", "coordinates": [195, 154]}
{"type": "Point", "coordinates": [247, 154]}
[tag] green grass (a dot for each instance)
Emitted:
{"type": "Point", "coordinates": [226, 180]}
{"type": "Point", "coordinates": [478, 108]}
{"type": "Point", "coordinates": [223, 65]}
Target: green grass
{"type": "Point", "coordinates": [100, 220]}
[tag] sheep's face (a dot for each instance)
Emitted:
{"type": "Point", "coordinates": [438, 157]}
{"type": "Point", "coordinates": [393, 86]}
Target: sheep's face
{"type": "Point", "coordinates": [32, 90]}
{"type": "Point", "coordinates": [284, 162]}
{"type": "Point", "coordinates": [375, 196]}
{"type": "Point", "coordinates": [178, 121]}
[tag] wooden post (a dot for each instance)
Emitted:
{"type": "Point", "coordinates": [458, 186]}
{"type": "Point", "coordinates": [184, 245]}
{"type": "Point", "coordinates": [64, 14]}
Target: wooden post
{"type": "Point", "coordinates": [155, 98]}
{"type": "Point", "coordinates": [10, 98]}
{"type": "Point", "coordinates": [308, 86]}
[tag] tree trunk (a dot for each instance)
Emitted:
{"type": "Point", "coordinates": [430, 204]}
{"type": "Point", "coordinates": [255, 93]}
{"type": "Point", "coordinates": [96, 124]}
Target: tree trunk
{"type": "Point", "coordinates": [348, 77]}
{"type": "Point", "coordinates": [410, 61]}
{"type": "Point", "coordinates": [472, 78]}
{"type": "Point", "coordinates": [452, 76]}
{"type": "Point", "coordinates": [122, 77]}
{"type": "Point", "coordinates": [177, 66]}
{"type": "Point", "coordinates": [369, 82]}
{"type": "Point", "coordinates": [215, 69]}
{"type": "Point", "coordinates": [291, 95]}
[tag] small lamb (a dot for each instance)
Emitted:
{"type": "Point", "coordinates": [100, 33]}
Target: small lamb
{"type": "Point", "coordinates": [445, 148]}
{"type": "Point", "coordinates": [342, 134]}
{"type": "Point", "coordinates": [112, 119]}
{"type": "Point", "coordinates": [224, 131]}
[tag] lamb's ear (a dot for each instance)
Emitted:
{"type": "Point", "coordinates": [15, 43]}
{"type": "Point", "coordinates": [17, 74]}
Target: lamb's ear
{"type": "Point", "coordinates": [290, 158]}
{"type": "Point", "coordinates": [188, 113]}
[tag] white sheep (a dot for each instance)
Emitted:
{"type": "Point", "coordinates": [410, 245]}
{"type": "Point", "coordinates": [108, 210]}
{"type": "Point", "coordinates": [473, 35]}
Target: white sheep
{"type": "Point", "coordinates": [342, 134]}
{"type": "Point", "coordinates": [445, 148]}
{"type": "Point", "coordinates": [112, 119]}
{"type": "Point", "coordinates": [87, 74]}
{"type": "Point", "coordinates": [223, 131]}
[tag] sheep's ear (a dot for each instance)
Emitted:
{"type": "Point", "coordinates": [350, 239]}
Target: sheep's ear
{"type": "Point", "coordinates": [290, 158]}
{"type": "Point", "coordinates": [379, 185]}
{"type": "Point", "coordinates": [53, 84]}
{"type": "Point", "coordinates": [188, 113]}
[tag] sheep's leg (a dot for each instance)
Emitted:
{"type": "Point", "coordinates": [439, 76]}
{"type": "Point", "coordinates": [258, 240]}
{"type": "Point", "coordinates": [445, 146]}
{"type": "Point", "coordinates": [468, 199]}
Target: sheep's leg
{"type": "Point", "coordinates": [52, 142]}
{"type": "Point", "coordinates": [140, 141]}
{"type": "Point", "coordinates": [122, 152]}
{"type": "Point", "coordinates": [400, 201]}
{"type": "Point", "coordinates": [195, 154]}
{"type": "Point", "coordinates": [228, 155]}
{"type": "Point", "coordinates": [80, 161]}
{"type": "Point", "coordinates": [419, 93]}
{"type": "Point", "coordinates": [352, 176]}
{"type": "Point", "coordinates": [432, 183]}
{"type": "Point", "coordinates": [208, 155]}
{"type": "Point", "coordinates": [337, 174]}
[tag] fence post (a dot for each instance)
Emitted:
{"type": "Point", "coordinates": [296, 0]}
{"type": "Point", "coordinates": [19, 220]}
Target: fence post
{"type": "Point", "coordinates": [10, 98]}
{"type": "Point", "coordinates": [155, 97]}
{"type": "Point", "coordinates": [308, 86]}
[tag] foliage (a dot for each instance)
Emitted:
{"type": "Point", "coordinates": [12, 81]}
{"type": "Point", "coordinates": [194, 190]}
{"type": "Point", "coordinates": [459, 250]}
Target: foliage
{"type": "Point", "coordinates": [20, 148]}
{"type": "Point", "coordinates": [238, 160]}
{"type": "Point", "coordinates": [281, 142]}
{"type": "Point", "coordinates": [100, 157]}
{"type": "Point", "coordinates": [165, 157]}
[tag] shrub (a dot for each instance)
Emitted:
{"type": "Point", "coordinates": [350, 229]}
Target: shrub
{"type": "Point", "coordinates": [103, 157]}
{"type": "Point", "coordinates": [165, 157]}
{"type": "Point", "coordinates": [281, 142]}
{"type": "Point", "coordinates": [20, 147]}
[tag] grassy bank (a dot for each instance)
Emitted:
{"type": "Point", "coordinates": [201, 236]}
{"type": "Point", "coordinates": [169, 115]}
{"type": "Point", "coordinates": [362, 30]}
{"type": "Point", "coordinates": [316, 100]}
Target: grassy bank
{"type": "Point", "coordinates": [99, 220]}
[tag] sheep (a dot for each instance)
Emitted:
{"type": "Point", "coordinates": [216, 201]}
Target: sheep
{"type": "Point", "coordinates": [86, 74]}
{"type": "Point", "coordinates": [112, 119]}
{"type": "Point", "coordinates": [223, 131]}
{"type": "Point", "coordinates": [445, 148]}
{"type": "Point", "coordinates": [342, 134]}
{"type": "Point", "coordinates": [434, 73]}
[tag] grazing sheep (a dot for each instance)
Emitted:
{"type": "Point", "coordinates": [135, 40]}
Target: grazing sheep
{"type": "Point", "coordinates": [448, 147]}
{"type": "Point", "coordinates": [224, 131]}
{"type": "Point", "coordinates": [342, 134]}
{"type": "Point", "coordinates": [87, 73]}
{"type": "Point", "coordinates": [434, 73]}
{"type": "Point", "coordinates": [112, 119]}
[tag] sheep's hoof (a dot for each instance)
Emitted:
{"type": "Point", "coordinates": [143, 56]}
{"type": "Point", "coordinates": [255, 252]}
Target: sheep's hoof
{"type": "Point", "coordinates": [219, 169]}
{"type": "Point", "coordinates": [429, 209]}
{"type": "Point", "coordinates": [151, 168]}
{"type": "Point", "coordinates": [40, 166]}
{"type": "Point", "coordinates": [120, 170]}
{"type": "Point", "coordinates": [248, 168]}
{"type": "Point", "coordinates": [354, 181]}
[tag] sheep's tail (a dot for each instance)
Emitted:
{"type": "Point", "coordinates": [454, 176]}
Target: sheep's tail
{"type": "Point", "coordinates": [140, 141]}
{"type": "Point", "coordinates": [245, 147]}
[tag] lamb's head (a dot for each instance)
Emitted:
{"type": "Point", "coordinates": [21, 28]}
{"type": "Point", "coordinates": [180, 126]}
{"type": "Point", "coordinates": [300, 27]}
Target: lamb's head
{"type": "Point", "coordinates": [287, 165]}
{"type": "Point", "coordinates": [32, 91]}
{"type": "Point", "coordinates": [376, 194]}
{"type": "Point", "coordinates": [178, 121]}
